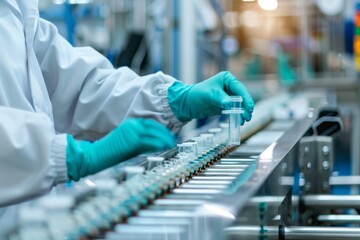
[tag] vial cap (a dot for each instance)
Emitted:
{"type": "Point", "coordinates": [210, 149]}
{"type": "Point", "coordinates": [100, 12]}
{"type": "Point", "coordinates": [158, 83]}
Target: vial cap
{"type": "Point", "coordinates": [134, 169]}
{"type": "Point", "coordinates": [155, 159]}
{"type": "Point", "coordinates": [207, 135]}
{"type": "Point", "coordinates": [189, 143]}
{"type": "Point", "coordinates": [236, 99]}
{"type": "Point", "coordinates": [215, 130]}
{"type": "Point", "coordinates": [224, 125]}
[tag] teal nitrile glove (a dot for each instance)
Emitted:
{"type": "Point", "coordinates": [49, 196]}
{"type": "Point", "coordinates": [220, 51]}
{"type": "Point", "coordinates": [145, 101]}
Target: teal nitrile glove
{"type": "Point", "coordinates": [131, 138]}
{"type": "Point", "coordinates": [208, 97]}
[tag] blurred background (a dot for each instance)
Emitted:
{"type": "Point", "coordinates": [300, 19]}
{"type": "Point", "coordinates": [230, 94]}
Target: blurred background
{"type": "Point", "coordinates": [266, 43]}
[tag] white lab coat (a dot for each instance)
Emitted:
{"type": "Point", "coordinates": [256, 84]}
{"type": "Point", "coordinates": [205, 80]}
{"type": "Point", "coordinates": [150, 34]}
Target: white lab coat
{"type": "Point", "coordinates": [49, 89]}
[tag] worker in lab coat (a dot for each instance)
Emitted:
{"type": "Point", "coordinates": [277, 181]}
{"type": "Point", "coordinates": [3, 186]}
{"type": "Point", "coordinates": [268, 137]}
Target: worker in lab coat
{"type": "Point", "coordinates": [66, 113]}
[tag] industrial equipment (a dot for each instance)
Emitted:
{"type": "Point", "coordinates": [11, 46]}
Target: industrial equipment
{"type": "Point", "coordinates": [275, 185]}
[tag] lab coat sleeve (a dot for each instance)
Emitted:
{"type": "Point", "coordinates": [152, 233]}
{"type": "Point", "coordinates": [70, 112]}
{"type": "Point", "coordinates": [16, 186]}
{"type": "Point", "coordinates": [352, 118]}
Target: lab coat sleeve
{"type": "Point", "coordinates": [89, 97]}
{"type": "Point", "coordinates": [32, 156]}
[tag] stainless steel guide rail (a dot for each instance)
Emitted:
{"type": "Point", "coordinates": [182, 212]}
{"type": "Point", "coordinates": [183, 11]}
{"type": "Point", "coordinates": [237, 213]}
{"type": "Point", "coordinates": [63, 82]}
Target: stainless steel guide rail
{"type": "Point", "coordinates": [211, 200]}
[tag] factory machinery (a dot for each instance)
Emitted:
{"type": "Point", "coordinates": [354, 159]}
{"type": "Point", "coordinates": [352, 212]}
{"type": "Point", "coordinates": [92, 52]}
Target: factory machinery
{"type": "Point", "coordinates": [275, 185]}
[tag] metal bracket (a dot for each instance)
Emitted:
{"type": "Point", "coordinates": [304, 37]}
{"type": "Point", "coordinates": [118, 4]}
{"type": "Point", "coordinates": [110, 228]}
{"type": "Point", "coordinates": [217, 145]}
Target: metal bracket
{"type": "Point", "coordinates": [285, 212]}
{"type": "Point", "coordinates": [316, 163]}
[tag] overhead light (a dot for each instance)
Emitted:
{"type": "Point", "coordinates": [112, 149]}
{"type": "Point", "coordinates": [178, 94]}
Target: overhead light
{"type": "Point", "coordinates": [268, 5]}
{"type": "Point", "coordinates": [248, 0]}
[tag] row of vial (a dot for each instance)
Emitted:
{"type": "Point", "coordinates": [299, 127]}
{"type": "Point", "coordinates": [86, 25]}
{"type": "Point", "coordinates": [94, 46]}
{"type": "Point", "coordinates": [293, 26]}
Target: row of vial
{"type": "Point", "coordinates": [58, 217]}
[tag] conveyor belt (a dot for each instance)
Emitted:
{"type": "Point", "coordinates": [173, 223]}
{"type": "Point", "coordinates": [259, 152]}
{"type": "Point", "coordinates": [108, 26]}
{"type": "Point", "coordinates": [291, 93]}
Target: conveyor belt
{"type": "Point", "coordinates": [182, 206]}
{"type": "Point", "coordinates": [216, 190]}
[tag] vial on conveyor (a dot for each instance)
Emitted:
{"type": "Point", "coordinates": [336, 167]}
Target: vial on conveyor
{"type": "Point", "coordinates": [154, 162]}
{"type": "Point", "coordinates": [234, 113]}
{"type": "Point", "coordinates": [217, 135]}
{"type": "Point", "coordinates": [209, 140]}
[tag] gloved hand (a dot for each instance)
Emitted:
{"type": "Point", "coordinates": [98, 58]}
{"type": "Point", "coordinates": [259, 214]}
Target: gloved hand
{"type": "Point", "coordinates": [132, 137]}
{"type": "Point", "coordinates": [208, 97]}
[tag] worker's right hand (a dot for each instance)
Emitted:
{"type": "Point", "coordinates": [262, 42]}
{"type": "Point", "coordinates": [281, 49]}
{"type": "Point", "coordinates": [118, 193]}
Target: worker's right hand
{"type": "Point", "coordinates": [131, 138]}
{"type": "Point", "coordinates": [208, 97]}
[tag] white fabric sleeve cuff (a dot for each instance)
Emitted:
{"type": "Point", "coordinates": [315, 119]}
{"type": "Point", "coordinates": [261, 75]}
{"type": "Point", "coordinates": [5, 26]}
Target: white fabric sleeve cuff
{"type": "Point", "coordinates": [173, 123]}
{"type": "Point", "coordinates": [58, 158]}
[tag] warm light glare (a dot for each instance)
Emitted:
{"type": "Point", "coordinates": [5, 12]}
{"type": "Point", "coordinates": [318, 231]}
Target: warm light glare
{"type": "Point", "coordinates": [268, 5]}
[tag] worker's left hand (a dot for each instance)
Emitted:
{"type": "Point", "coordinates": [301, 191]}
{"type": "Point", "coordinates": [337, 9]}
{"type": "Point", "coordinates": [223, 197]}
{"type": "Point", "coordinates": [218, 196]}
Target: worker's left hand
{"type": "Point", "coordinates": [129, 139]}
{"type": "Point", "coordinates": [208, 97]}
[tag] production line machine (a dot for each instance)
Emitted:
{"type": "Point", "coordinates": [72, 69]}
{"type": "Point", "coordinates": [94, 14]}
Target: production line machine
{"type": "Point", "coordinates": [275, 185]}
